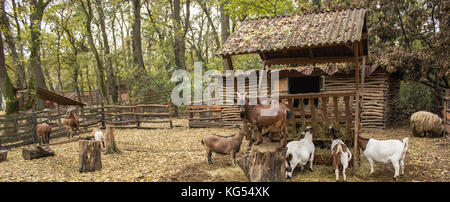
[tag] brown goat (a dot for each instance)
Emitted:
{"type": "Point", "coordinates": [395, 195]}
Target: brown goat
{"type": "Point", "coordinates": [43, 131]}
{"type": "Point", "coordinates": [223, 145]}
{"type": "Point", "coordinates": [273, 121]}
{"type": "Point", "coordinates": [71, 124]}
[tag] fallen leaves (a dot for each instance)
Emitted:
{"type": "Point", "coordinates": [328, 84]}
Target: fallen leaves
{"type": "Point", "coordinates": [177, 155]}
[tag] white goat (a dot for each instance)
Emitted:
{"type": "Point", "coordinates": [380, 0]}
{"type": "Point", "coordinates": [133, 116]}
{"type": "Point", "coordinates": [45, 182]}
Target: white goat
{"type": "Point", "coordinates": [385, 151]}
{"type": "Point", "coordinates": [298, 153]}
{"type": "Point", "coordinates": [98, 136]}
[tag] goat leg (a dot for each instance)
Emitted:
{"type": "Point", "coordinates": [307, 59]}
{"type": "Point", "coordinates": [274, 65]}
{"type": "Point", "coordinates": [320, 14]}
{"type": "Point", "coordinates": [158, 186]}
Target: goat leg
{"type": "Point", "coordinates": [258, 136]}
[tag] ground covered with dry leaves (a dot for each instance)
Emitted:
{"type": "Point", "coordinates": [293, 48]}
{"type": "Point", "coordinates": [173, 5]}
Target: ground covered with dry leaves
{"type": "Point", "coordinates": [177, 155]}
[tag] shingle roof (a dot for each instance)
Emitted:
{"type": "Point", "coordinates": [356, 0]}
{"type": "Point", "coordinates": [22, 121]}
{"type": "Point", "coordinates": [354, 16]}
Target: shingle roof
{"type": "Point", "coordinates": [59, 99]}
{"type": "Point", "coordinates": [299, 31]}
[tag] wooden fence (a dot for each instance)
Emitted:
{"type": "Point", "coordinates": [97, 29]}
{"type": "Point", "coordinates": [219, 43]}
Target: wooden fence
{"type": "Point", "coordinates": [330, 108]}
{"type": "Point", "coordinates": [203, 116]}
{"type": "Point", "coordinates": [20, 129]}
{"type": "Point", "coordinates": [134, 116]}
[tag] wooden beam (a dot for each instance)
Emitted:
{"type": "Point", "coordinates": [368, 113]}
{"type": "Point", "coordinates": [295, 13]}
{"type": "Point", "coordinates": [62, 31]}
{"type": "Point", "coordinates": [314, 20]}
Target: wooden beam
{"type": "Point", "coordinates": [357, 110]}
{"type": "Point", "coordinates": [229, 62]}
{"type": "Point", "coordinates": [307, 60]}
{"type": "Point", "coordinates": [311, 54]}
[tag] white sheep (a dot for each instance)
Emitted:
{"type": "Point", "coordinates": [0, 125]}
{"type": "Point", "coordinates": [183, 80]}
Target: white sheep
{"type": "Point", "coordinates": [423, 123]}
{"type": "Point", "coordinates": [385, 151]}
{"type": "Point", "coordinates": [298, 153]}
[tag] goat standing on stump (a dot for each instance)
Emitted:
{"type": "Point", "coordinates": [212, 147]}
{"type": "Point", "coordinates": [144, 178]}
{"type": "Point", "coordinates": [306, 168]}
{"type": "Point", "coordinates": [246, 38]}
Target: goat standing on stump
{"type": "Point", "coordinates": [274, 116]}
{"type": "Point", "coordinates": [298, 153]}
{"type": "Point", "coordinates": [43, 131]}
{"type": "Point", "coordinates": [340, 153]}
{"type": "Point", "coordinates": [223, 145]}
{"type": "Point", "coordinates": [71, 123]}
{"type": "Point", "coordinates": [385, 151]}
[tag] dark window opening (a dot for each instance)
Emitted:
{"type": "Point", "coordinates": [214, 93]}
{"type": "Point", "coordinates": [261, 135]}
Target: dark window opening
{"type": "Point", "coordinates": [310, 84]}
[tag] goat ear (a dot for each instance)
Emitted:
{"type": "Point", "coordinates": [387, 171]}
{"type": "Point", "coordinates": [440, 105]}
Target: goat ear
{"type": "Point", "coordinates": [289, 157]}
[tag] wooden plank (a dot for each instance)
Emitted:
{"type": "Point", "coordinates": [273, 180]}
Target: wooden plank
{"type": "Point", "coordinates": [356, 153]}
{"type": "Point", "coordinates": [293, 123]}
{"type": "Point", "coordinates": [336, 112]}
{"type": "Point", "coordinates": [325, 114]}
{"type": "Point", "coordinates": [347, 115]}
{"type": "Point", "coordinates": [317, 95]}
{"type": "Point", "coordinates": [302, 112]}
{"type": "Point", "coordinates": [313, 113]}
{"type": "Point", "coordinates": [307, 60]}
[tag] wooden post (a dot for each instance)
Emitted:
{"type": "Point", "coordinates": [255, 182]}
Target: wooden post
{"type": "Point", "coordinates": [294, 124]}
{"type": "Point", "coordinates": [103, 115]}
{"type": "Point", "coordinates": [302, 111]}
{"type": "Point", "coordinates": [170, 112]}
{"type": "Point", "coordinates": [312, 108]}
{"type": "Point", "coordinates": [110, 143]}
{"type": "Point", "coordinates": [90, 155]}
{"type": "Point", "coordinates": [336, 112]}
{"type": "Point", "coordinates": [325, 114]}
{"type": "Point", "coordinates": [347, 115]}
{"type": "Point", "coordinates": [357, 106]}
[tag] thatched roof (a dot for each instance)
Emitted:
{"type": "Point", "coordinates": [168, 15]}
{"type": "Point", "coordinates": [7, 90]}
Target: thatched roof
{"type": "Point", "coordinates": [296, 32]}
{"type": "Point", "coordinates": [59, 99]}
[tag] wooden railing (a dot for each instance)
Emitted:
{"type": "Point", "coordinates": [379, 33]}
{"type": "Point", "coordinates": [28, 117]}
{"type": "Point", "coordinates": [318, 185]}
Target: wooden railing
{"type": "Point", "coordinates": [333, 108]}
{"type": "Point", "coordinates": [20, 129]}
{"type": "Point", "coordinates": [203, 116]}
{"type": "Point", "coordinates": [118, 116]}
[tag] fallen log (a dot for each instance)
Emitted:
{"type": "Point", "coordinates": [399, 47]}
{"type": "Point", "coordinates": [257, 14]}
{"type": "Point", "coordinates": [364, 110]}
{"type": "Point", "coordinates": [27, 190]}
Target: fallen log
{"type": "Point", "coordinates": [35, 152]}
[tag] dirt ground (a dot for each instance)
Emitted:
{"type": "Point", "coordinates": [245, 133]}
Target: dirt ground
{"type": "Point", "coordinates": [177, 155]}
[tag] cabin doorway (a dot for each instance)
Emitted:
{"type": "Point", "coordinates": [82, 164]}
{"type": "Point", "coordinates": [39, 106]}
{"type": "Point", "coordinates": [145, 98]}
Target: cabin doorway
{"type": "Point", "coordinates": [307, 84]}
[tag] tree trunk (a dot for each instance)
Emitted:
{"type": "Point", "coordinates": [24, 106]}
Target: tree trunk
{"type": "Point", "coordinates": [35, 152]}
{"type": "Point", "coordinates": [90, 155]}
{"type": "Point", "coordinates": [264, 163]}
{"type": "Point", "coordinates": [137, 43]}
{"type": "Point", "coordinates": [87, 9]}
{"type": "Point", "coordinates": [180, 33]}
{"type": "Point", "coordinates": [108, 60]}
{"type": "Point", "coordinates": [5, 84]}
{"type": "Point", "coordinates": [4, 23]}
{"type": "Point", "coordinates": [3, 155]}
{"type": "Point", "coordinates": [37, 12]}
{"type": "Point", "coordinates": [225, 29]}
{"type": "Point", "coordinates": [110, 143]}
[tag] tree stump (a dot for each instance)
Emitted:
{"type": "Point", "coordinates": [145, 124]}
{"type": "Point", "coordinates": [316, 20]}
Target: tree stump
{"type": "Point", "coordinates": [265, 163]}
{"type": "Point", "coordinates": [90, 155]}
{"type": "Point", "coordinates": [3, 155]}
{"type": "Point", "coordinates": [110, 143]}
{"type": "Point", "coordinates": [35, 152]}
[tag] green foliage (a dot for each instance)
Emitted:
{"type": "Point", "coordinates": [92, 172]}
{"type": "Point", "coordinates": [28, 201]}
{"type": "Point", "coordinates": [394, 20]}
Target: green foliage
{"type": "Point", "coordinates": [414, 96]}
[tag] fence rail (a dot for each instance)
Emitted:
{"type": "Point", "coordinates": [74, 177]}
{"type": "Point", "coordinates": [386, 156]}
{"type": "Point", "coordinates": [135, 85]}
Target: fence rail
{"type": "Point", "coordinates": [203, 116]}
{"type": "Point", "coordinates": [20, 129]}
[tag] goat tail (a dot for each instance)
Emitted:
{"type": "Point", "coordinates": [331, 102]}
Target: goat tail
{"type": "Point", "coordinates": [203, 142]}
{"type": "Point", "coordinates": [288, 113]}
